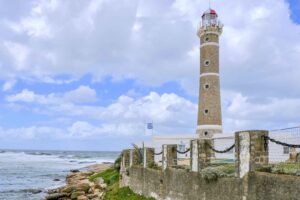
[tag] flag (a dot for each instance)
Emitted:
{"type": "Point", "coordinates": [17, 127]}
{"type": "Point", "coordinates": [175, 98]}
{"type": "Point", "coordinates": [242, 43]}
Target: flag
{"type": "Point", "coordinates": [149, 125]}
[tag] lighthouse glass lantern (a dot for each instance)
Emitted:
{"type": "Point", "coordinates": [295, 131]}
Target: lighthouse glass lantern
{"type": "Point", "coordinates": [210, 18]}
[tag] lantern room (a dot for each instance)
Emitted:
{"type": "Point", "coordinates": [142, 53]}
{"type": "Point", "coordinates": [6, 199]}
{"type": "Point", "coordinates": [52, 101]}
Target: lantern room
{"type": "Point", "coordinates": [210, 18]}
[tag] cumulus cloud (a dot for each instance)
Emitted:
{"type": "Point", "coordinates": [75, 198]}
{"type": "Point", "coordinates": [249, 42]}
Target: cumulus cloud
{"type": "Point", "coordinates": [83, 94]}
{"type": "Point", "coordinates": [126, 116]}
{"type": "Point", "coordinates": [151, 42]}
{"type": "Point", "coordinates": [135, 39]}
{"type": "Point", "coordinates": [8, 85]}
{"type": "Point", "coordinates": [170, 113]}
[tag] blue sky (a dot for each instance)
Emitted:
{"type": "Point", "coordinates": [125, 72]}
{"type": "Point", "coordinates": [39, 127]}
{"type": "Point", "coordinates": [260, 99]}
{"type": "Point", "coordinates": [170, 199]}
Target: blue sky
{"type": "Point", "coordinates": [89, 75]}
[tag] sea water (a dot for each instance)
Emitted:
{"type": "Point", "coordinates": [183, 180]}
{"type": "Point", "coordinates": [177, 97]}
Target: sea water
{"type": "Point", "coordinates": [26, 175]}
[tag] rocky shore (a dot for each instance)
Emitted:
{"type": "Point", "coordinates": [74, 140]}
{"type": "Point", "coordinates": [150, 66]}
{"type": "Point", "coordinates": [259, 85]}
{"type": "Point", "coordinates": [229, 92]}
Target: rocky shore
{"type": "Point", "coordinates": [79, 187]}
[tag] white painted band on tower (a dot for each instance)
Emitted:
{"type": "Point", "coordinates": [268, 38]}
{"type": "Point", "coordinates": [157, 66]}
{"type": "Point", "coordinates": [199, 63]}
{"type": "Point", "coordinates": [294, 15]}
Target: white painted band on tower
{"type": "Point", "coordinates": [212, 127]}
{"type": "Point", "coordinates": [209, 74]}
{"type": "Point", "coordinates": [209, 44]}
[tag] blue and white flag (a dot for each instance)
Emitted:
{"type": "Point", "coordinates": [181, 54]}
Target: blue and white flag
{"type": "Point", "coordinates": [149, 125]}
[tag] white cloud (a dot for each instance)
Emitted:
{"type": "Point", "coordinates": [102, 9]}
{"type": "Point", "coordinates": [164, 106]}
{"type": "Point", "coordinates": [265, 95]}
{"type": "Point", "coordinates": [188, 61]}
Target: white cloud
{"type": "Point", "coordinates": [131, 39]}
{"type": "Point", "coordinates": [8, 85]}
{"type": "Point", "coordinates": [152, 42]}
{"type": "Point", "coordinates": [83, 94]}
{"type": "Point", "coordinates": [126, 116]}
{"type": "Point", "coordinates": [170, 113]}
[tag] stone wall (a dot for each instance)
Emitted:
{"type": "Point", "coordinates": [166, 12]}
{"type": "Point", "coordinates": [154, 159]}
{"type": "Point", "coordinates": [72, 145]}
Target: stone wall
{"type": "Point", "coordinates": [175, 184]}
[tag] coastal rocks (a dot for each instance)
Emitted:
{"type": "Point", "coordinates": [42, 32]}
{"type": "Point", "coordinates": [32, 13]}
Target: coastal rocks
{"type": "Point", "coordinates": [56, 196]}
{"type": "Point", "coordinates": [75, 195]}
{"type": "Point", "coordinates": [74, 170]}
{"type": "Point", "coordinates": [80, 188]}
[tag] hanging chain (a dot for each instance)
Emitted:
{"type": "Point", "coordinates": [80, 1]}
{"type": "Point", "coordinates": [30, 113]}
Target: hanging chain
{"type": "Point", "coordinates": [221, 151]}
{"type": "Point", "coordinates": [183, 152]}
{"type": "Point", "coordinates": [157, 154]}
{"type": "Point", "coordinates": [282, 143]}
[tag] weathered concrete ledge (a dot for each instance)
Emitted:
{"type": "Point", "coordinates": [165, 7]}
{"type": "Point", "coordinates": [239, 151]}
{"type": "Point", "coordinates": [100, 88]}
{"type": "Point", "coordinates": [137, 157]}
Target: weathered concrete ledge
{"type": "Point", "coordinates": [178, 184]}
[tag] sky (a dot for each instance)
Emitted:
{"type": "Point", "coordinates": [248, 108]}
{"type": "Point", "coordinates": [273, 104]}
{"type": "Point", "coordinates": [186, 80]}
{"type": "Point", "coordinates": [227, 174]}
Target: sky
{"type": "Point", "coordinates": [89, 74]}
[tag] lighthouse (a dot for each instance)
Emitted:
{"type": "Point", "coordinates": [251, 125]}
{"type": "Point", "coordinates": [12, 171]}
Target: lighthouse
{"type": "Point", "coordinates": [209, 109]}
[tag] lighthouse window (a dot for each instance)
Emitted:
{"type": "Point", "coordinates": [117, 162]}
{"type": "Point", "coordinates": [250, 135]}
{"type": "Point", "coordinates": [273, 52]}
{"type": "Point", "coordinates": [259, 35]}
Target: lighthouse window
{"type": "Point", "coordinates": [206, 86]}
{"type": "Point", "coordinates": [207, 62]}
{"type": "Point", "coordinates": [206, 39]}
{"type": "Point", "coordinates": [205, 133]}
{"type": "Point", "coordinates": [206, 111]}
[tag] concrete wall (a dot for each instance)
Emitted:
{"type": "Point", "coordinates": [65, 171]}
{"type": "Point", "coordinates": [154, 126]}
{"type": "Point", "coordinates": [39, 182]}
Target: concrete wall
{"type": "Point", "coordinates": [176, 184]}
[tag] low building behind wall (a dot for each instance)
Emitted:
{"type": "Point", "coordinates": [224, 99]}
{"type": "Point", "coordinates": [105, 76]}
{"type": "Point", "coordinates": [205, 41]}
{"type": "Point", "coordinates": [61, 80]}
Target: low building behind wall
{"type": "Point", "coordinates": [174, 184]}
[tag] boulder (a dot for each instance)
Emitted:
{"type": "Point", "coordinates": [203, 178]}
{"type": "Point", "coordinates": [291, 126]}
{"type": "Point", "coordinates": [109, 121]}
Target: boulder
{"type": "Point", "coordinates": [83, 187]}
{"type": "Point", "coordinates": [56, 196]}
{"type": "Point", "coordinates": [75, 195]}
{"type": "Point", "coordinates": [74, 170]}
{"type": "Point", "coordinates": [99, 181]}
{"type": "Point", "coordinates": [68, 189]}
{"type": "Point", "coordinates": [82, 198]}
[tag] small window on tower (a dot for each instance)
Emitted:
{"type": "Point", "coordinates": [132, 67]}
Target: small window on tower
{"type": "Point", "coordinates": [206, 63]}
{"type": "Point", "coordinates": [205, 133]}
{"type": "Point", "coordinates": [206, 86]}
{"type": "Point", "coordinates": [206, 111]}
{"type": "Point", "coordinates": [206, 39]}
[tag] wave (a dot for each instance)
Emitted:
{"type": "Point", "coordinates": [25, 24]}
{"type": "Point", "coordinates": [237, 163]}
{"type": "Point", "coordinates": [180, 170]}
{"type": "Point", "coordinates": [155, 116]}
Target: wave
{"type": "Point", "coordinates": [38, 153]}
{"type": "Point", "coordinates": [31, 191]}
{"type": "Point", "coordinates": [87, 162]}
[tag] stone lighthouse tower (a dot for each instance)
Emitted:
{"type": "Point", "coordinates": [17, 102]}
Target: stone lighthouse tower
{"type": "Point", "coordinates": [209, 111]}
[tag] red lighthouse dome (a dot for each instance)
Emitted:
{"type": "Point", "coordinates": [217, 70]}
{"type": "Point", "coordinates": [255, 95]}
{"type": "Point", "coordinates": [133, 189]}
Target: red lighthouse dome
{"type": "Point", "coordinates": [210, 12]}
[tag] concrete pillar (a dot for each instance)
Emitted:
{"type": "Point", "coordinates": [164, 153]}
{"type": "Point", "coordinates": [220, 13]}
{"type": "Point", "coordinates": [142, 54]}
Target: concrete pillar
{"type": "Point", "coordinates": [194, 161]}
{"type": "Point", "coordinates": [122, 167]}
{"type": "Point", "coordinates": [126, 155]}
{"type": "Point", "coordinates": [131, 158]}
{"type": "Point", "coordinates": [148, 157]}
{"type": "Point", "coordinates": [169, 156]}
{"type": "Point", "coordinates": [205, 153]}
{"type": "Point", "coordinates": [134, 157]}
{"type": "Point", "coordinates": [251, 151]}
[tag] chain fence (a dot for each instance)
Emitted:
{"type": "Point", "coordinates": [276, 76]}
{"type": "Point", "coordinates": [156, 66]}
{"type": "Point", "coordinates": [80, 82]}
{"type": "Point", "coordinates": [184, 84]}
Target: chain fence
{"type": "Point", "coordinates": [283, 142]}
{"type": "Point", "coordinates": [223, 148]}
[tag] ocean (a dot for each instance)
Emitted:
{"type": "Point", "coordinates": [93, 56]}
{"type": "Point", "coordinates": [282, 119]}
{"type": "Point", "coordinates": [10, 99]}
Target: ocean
{"type": "Point", "coordinates": [27, 174]}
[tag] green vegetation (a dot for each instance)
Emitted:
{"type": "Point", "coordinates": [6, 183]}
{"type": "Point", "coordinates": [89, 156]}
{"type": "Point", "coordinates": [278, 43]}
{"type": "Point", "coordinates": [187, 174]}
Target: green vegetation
{"type": "Point", "coordinates": [125, 193]}
{"type": "Point", "coordinates": [109, 176]}
{"type": "Point", "coordinates": [282, 168]}
{"type": "Point", "coordinates": [114, 192]}
{"type": "Point", "coordinates": [214, 172]}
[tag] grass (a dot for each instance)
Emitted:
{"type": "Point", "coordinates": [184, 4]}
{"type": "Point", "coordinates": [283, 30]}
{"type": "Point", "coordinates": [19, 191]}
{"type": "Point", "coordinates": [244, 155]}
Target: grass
{"type": "Point", "coordinates": [282, 168]}
{"type": "Point", "coordinates": [114, 192]}
{"type": "Point", "coordinates": [125, 193]}
{"type": "Point", "coordinates": [109, 176]}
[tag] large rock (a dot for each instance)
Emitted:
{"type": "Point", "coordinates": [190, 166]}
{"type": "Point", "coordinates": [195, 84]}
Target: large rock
{"type": "Point", "coordinates": [99, 181]}
{"type": "Point", "coordinates": [82, 198]}
{"type": "Point", "coordinates": [74, 195]}
{"type": "Point", "coordinates": [83, 187]}
{"type": "Point", "coordinates": [56, 196]}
